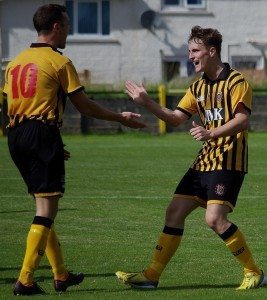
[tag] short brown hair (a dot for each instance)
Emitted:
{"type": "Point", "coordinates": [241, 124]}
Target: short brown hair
{"type": "Point", "coordinates": [46, 16]}
{"type": "Point", "coordinates": [208, 36]}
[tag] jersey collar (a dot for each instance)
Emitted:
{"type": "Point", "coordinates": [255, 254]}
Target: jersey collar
{"type": "Point", "coordinates": [38, 45]}
{"type": "Point", "coordinates": [222, 76]}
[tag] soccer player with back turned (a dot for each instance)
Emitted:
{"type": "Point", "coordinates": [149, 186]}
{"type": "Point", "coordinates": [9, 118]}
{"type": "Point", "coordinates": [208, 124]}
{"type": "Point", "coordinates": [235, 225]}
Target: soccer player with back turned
{"type": "Point", "coordinates": [222, 99]}
{"type": "Point", "coordinates": [37, 82]}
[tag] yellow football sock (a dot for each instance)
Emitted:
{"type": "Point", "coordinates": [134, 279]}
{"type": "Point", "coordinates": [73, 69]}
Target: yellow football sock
{"type": "Point", "coordinates": [35, 249]}
{"type": "Point", "coordinates": [55, 257]}
{"type": "Point", "coordinates": [168, 243]}
{"type": "Point", "coordinates": [236, 243]}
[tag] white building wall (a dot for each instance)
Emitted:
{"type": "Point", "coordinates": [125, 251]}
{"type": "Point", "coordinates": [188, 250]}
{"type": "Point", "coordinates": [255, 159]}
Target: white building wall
{"type": "Point", "coordinates": [134, 52]}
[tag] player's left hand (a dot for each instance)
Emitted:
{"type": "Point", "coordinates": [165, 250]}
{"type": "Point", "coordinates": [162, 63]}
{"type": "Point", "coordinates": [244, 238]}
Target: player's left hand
{"type": "Point", "coordinates": [199, 133]}
{"type": "Point", "coordinates": [129, 120]}
{"type": "Point", "coordinates": [66, 154]}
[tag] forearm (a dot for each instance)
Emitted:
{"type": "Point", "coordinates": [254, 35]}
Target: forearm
{"type": "Point", "coordinates": [90, 108]}
{"type": "Point", "coordinates": [96, 111]}
{"type": "Point", "coordinates": [162, 113]}
{"type": "Point", "coordinates": [230, 128]}
{"type": "Point", "coordinates": [140, 96]}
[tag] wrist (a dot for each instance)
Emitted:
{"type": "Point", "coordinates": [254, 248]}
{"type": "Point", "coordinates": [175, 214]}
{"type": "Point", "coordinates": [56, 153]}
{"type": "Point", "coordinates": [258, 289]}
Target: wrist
{"type": "Point", "coordinates": [119, 117]}
{"type": "Point", "coordinates": [212, 134]}
{"type": "Point", "coordinates": [147, 101]}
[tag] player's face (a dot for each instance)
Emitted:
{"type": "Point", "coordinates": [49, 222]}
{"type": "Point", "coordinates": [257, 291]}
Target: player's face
{"type": "Point", "coordinates": [199, 54]}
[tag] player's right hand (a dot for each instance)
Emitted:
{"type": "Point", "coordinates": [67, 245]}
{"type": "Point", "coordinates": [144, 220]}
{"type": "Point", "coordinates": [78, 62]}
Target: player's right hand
{"type": "Point", "coordinates": [137, 92]}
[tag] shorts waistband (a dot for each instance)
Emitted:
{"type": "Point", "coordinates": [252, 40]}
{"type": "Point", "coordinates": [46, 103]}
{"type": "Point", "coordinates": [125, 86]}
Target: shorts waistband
{"type": "Point", "coordinates": [14, 124]}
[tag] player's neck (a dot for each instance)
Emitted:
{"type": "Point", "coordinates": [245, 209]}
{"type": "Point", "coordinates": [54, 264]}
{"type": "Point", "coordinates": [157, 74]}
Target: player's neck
{"type": "Point", "coordinates": [46, 39]}
{"type": "Point", "coordinates": [213, 70]}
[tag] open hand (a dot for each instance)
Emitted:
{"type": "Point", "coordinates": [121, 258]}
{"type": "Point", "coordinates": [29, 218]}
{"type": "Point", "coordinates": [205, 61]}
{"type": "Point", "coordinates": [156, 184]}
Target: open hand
{"type": "Point", "coordinates": [129, 119]}
{"type": "Point", "coordinates": [137, 92]}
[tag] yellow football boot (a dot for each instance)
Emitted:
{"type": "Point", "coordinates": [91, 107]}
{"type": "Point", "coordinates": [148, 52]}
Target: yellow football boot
{"type": "Point", "coordinates": [136, 280]}
{"type": "Point", "coordinates": [252, 280]}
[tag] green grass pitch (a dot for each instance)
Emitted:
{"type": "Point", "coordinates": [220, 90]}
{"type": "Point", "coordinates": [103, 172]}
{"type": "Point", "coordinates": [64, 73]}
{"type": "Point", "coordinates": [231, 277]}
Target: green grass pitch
{"type": "Point", "coordinates": [117, 189]}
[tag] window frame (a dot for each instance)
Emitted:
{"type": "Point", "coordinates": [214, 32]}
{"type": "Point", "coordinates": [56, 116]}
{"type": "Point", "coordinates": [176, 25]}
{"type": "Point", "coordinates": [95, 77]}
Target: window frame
{"type": "Point", "coordinates": [75, 19]}
{"type": "Point", "coordinates": [246, 59]}
{"type": "Point", "coordinates": [201, 5]}
{"type": "Point", "coordinates": [183, 4]}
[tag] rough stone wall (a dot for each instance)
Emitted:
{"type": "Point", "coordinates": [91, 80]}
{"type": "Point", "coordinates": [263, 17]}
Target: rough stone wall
{"type": "Point", "coordinates": [258, 121]}
{"type": "Point", "coordinates": [74, 123]}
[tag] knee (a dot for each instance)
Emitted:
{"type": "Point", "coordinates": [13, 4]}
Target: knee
{"type": "Point", "coordinates": [217, 223]}
{"type": "Point", "coordinates": [212, 222]}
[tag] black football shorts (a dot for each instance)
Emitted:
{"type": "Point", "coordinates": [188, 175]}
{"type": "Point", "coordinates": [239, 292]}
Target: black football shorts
{"type": "Point", "coordinates": [220, 186]}
{"type": "Point", "coordinates": [37, 151]}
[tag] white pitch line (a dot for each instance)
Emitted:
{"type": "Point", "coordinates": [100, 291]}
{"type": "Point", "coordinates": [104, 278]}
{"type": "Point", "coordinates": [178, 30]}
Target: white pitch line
{"type": "Point", "coordinates": [11, 178]}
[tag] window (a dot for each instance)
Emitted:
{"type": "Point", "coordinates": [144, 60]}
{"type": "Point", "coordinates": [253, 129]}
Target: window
{"type": "Point", "coordinates": [190, 68]}
{"type": "Point", "coordinates": [171, 70]}
{"type": "Point", "coordinates": [184, 3]}
{"type": "Point", "coordinates": [172, 2]}
{"type": "Point", "coordinates": [194, 2]}
{"type": "Point", "coordinates": [89, 17]}
{"type": "Point", "coordinates": [246, 62]}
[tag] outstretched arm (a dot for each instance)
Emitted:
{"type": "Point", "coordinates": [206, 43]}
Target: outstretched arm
{"type": "Point", "coordinates": [139, 95]}
{"type": "Point", "coordinates": [90, 108]}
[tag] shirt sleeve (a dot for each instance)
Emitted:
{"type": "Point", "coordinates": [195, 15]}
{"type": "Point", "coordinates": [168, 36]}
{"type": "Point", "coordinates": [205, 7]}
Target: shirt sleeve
{"type": "Point", "coordinates": [188, 104]}
{"type": "Point", "coordinates": [69, 78]}
{"type": "Point", "coordinates": [242, 93]}
{"type": "Point", "coordinates": [5, 88]}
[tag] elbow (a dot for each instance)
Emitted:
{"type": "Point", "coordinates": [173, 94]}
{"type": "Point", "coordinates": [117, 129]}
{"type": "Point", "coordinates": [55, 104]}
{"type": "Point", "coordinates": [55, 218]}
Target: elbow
{"type": "Point", "coordinates": [81, 111]}
{"type": "Point", "coordinates": [244, 124]}
{"type": "Point", "coordinates": [174, 121]}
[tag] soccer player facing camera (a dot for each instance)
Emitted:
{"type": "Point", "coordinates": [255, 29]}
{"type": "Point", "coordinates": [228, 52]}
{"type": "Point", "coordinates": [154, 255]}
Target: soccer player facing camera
{"type": "Point", "coordinates": [221, 98]}
{"type": "Point", "coordinates": [37, 82]}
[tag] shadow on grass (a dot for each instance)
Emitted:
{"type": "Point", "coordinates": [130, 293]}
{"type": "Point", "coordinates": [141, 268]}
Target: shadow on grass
{"type": "Point", "coordinates": [197, 286]}
{"type": "Point", "coordinates": [30, 211]}
{"type": "Point", "coordinates": [19, 267]}
{"type": "Point", "coordinates": [104, 275]}
{"type": "Point", "coordinates": [15, 211]}
{"type": "Point", "coordinates": [44, 278]}
{"type": "Point", "coordinates": [167, 288]}
{"type": "Point", "coordinates": [177, 288]}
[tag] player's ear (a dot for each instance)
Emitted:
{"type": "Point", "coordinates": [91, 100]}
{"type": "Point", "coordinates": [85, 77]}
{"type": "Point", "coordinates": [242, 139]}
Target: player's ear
{"type": "Point", "coordinates": [56, 26]}
{"type": "Point", "coordinates": [212, 51]}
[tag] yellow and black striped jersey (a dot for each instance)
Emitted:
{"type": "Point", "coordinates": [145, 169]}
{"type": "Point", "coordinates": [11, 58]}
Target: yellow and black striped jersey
{"type": "Point", "coordinates": [215, 103]}
{"type": "Point", "coordinates": [37, 82]}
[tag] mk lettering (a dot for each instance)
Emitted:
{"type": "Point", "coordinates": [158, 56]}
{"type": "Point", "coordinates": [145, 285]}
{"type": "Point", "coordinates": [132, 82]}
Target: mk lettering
{"type": "Point", "coordinates": [214, 114]}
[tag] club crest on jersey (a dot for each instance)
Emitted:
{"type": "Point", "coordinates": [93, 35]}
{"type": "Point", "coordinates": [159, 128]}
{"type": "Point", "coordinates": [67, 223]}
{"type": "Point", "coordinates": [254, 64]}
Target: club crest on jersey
{"type": "Point", "coordinates": [219, 96]}
{"type": "Point", "coordinates": [220, 189]}
{"type": "Point", "coordinates": [200, 98]}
